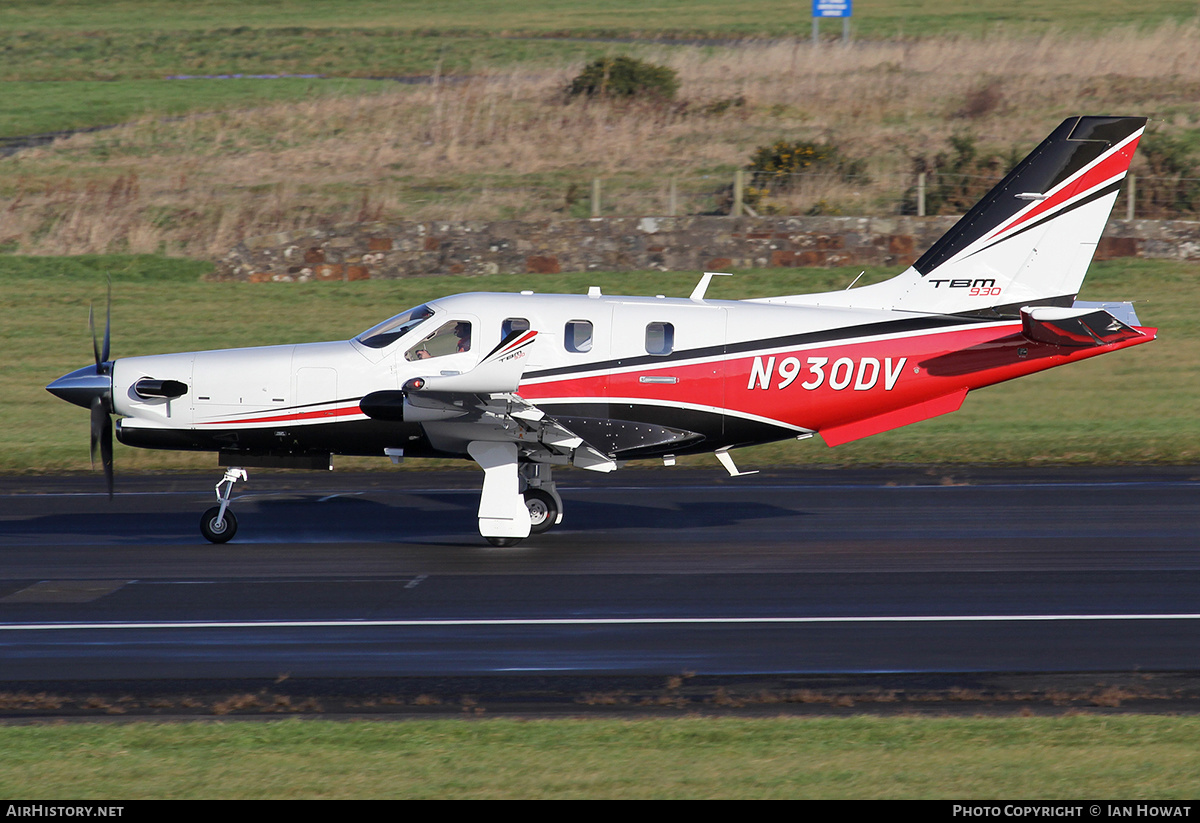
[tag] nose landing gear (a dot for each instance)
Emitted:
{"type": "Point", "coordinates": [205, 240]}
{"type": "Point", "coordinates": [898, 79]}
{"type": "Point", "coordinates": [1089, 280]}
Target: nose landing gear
{"type": "Point", "coordinates": [218, 525]}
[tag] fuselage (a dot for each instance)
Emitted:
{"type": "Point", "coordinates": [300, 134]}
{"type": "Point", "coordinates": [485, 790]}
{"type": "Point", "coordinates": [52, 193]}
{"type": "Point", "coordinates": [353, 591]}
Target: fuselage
{"type": "Point", "coordinates": [722, 373]}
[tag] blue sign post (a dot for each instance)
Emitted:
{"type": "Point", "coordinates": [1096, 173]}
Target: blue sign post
{"type": "Point", "coordinates": [832, 8]}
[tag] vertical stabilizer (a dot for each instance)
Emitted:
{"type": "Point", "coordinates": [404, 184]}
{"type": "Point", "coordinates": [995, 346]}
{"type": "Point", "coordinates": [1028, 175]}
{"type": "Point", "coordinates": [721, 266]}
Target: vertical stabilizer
{"type": "Point", "coordinates": [1029, 241]}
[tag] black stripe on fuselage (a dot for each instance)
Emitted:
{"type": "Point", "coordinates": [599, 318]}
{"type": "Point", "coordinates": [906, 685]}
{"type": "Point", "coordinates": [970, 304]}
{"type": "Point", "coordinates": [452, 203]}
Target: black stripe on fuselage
{"type": "Point", "coordinates": [886, 327]}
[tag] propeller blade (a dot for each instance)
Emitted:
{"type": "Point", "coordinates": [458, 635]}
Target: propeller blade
{"type": "Point", "coordinates": [107, 323]}
{"type": "Point", "coordinates": [102, 437]}
{"type": "Point", "coordinates": [106, 453]}
{"type": "Point", "coordinates": [101, 405]}
{"type": "Point", "coordinates": [99, 421]}
{"type": "Point", "coordinates": [101, 354]}
{"type": "Point", "coordinates": [92, 329]}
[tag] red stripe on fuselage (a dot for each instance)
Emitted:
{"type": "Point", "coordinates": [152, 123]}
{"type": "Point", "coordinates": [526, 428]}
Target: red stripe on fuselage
{"type": "Point", "coordinates": [321, 415]}
{"type": "Point", "coordinates": [834, 385]}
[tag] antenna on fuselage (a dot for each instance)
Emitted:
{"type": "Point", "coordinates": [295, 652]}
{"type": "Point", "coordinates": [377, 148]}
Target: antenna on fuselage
{"type": "Point", "coordinates": [855, 280]}
{"type": "Point", "coordinates": [705, 279]}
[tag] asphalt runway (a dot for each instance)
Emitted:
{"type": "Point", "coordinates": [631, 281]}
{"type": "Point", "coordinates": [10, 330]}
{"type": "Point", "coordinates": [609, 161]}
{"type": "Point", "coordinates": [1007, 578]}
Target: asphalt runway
{"type": "Point", "coordinates": [652, 573]}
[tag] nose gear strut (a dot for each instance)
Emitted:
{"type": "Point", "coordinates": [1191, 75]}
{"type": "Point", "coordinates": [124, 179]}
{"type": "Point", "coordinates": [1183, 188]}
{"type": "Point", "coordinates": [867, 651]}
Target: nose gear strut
{"type": "Point", "coordinates": [218, 525]}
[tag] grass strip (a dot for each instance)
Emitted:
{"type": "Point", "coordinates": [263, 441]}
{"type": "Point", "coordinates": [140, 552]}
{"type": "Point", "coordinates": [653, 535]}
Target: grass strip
{"type": "Point", "coordinates": [603, 17]}
{"type": "Point", "coordinates": [1064, 758]}
{"type": "Point", "coordinates": [43, 107]}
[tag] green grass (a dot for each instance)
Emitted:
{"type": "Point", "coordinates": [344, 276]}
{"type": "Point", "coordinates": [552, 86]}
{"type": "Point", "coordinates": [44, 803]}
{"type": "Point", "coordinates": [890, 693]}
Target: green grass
{"type": "Point", "coordinates": [155, 54]}
{"type": "Point", "coordinates": [42, 107]}
{"type": "Point", "coordinates": [1127, 757]}
{"type": "Point", "coordinates": [775, 17]}
{"type": "Point", "coordinates": [1130, 407]}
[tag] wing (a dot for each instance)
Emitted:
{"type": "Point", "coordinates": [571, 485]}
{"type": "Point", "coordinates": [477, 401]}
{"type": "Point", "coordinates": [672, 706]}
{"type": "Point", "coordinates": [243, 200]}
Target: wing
{"type": "Point", "coordinates": [482, 405]}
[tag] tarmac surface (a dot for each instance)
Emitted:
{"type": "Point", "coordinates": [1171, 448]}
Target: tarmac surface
{"type": "Point", "coordinates": [922, 589]}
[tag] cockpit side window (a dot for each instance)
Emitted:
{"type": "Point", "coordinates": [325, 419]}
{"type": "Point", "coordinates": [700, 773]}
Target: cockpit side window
{"type": "Point", "coordinates": [513, 324]}
{"type": "Point", "coordinates": [452, 337]}
{"type": "Point", "coordinates": [394, 328]}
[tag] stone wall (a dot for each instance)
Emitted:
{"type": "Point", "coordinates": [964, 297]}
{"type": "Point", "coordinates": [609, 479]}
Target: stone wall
{"type": "Point", "coordinates": [361, 251]}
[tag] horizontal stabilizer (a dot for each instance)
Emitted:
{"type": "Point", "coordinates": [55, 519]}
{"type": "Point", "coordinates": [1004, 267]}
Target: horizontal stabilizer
{"type": "Point", "coordinates": [1074, 327]}
{"type": "Point", "coordinates": [1123, 311]}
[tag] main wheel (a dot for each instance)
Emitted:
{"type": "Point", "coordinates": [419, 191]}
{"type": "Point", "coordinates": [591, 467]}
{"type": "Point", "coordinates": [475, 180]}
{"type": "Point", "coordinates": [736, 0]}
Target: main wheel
{"type": "Point", "coordinates": [214, 533]}
{"type": "Point", "coordinates": [503, 542]}
{"type": "Point", "coordinates": [543, 511]}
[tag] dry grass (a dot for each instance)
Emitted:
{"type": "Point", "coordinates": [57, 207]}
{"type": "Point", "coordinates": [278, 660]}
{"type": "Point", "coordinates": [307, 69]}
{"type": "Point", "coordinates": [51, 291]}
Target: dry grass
{"type": "Point", "coordinates": [503, 143]}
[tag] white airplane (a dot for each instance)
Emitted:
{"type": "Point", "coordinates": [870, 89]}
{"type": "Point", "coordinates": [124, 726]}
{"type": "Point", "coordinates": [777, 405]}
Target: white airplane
{"type": "Point", "coordinates": [522, 383]}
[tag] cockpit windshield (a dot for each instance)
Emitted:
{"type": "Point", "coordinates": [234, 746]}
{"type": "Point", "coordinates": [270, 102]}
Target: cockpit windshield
{"type": "Point", "coordinates": [394, 328]}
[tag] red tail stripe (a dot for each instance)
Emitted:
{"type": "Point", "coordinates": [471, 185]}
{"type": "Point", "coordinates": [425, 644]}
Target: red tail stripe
{"type": "Point", "coordinates": [1114, 165]}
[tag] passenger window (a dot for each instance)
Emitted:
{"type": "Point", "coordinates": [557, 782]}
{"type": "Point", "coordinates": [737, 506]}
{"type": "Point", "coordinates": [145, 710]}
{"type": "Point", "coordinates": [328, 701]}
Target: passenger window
{"type": "Point", "coordinates": [579, 336]}
{"type": "Point", "coordinates": [450, 338]}
{"type": "Point", "coordinates": [513, 324]}
{"type": "Point", "coordinates": [660, 338]}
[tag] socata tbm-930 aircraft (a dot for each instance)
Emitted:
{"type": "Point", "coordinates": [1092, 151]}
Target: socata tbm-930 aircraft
{"type": "Point", "coordinates": [521, 383]}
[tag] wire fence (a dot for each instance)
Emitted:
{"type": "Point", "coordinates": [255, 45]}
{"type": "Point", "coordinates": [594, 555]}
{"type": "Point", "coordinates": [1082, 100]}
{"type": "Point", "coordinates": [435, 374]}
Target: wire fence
{"type": "Point", "coordinates": [741, 192]}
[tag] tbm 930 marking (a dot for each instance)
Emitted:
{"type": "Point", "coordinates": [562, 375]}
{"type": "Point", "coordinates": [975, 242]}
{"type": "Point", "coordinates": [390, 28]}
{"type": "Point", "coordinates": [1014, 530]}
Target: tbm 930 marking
{"type": "Point", "coordinates": [863, 374]}
{"type": "Point", "coordinates": [980, 287]}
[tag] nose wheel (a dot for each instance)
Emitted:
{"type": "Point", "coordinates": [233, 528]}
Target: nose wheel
{"type": "Point", "coordinates": [218, 525]}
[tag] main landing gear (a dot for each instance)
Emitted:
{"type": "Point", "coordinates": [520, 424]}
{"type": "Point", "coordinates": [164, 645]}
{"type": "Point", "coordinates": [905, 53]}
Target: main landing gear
{"type": "Point", "coordinates": [218, 525]}
{"type": "Point", "coordinates": [545, 511]}
{"type": "Point", "coordinates": [518, 498]}
{"type": "Point", "coordinates": [541, 497]}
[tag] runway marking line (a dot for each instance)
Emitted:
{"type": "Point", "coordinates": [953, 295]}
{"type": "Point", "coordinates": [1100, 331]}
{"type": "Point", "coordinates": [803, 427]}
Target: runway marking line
{"type": "Point", "coordinates": [588, 621]}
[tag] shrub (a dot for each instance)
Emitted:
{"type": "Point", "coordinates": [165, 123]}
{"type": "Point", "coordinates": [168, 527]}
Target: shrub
{"type": "Point", "coordinates": [780, 168]}
{"type": "Point", "coordinates": [1169, 181]}
{"type": "Point", "coordinates": [982, 101]}
{"type": "Point", "coordinates": [956, 179]}
{"type": "Point", "coordinates": [625, 77]}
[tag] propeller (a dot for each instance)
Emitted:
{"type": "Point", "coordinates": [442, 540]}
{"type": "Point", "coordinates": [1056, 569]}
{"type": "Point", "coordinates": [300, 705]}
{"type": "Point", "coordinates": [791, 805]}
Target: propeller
{"type": "Point", "coordinates": [91, 388]}
{"type": "Point", "coordinates": [101, 405]}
